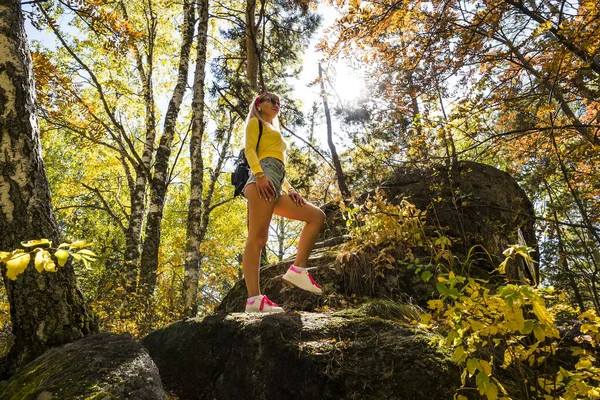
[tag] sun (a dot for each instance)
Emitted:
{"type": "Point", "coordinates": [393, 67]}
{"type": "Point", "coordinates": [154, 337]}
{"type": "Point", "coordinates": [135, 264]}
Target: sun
{"type": "Point", "coordinates": [347, 81]}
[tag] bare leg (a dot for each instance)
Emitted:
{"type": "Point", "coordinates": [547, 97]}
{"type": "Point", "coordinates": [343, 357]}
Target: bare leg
{"type": "Point", "coordinates": [260, 212]}
{"type": "Point", "coordinates": [314, 218]}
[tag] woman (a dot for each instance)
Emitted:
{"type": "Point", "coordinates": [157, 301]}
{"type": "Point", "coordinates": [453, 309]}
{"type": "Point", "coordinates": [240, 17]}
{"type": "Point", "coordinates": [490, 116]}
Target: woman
{"type": "Point", "coordinates": [263, 191]}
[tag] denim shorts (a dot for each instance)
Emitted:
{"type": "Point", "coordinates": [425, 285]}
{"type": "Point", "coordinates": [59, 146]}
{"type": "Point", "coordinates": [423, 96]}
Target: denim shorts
{"type": "Point", "coordinates": [274, 170]}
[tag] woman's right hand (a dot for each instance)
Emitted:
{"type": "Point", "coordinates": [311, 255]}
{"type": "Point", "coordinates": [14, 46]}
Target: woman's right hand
{"type": "Point", "coordinates": [265, 188]}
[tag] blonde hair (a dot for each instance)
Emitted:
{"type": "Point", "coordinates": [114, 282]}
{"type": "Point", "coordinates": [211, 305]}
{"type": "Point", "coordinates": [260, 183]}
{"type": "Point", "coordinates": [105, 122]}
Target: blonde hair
{"type": "Point", "coordinates": [254, 113]}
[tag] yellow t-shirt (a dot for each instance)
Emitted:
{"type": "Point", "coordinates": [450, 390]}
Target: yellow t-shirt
{"type": "Point", "coordinates": [271, 145]}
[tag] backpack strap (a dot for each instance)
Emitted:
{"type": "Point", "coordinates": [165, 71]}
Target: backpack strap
{"type": "Point", "coordinates": [259, 135]}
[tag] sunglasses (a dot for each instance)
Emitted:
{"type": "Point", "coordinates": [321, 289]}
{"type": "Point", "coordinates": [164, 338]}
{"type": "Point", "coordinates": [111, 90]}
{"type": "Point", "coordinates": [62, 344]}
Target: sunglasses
{"type": "Point", "coordinates": [272, 99]}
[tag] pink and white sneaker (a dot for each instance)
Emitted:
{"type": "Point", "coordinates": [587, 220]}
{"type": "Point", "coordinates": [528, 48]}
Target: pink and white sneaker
{"type": "Point", "coordinates": [262, 304]}
{"type": "Point", "coordinates": [301, 278]}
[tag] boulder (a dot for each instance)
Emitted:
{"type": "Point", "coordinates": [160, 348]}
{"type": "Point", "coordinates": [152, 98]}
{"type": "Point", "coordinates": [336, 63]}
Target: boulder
{"type": "Point", "coordinates": [99, 367]}
{"type": "Point", "coordinates": [342, 355]}
{"type": "Point", "coordinates": [476, 205]}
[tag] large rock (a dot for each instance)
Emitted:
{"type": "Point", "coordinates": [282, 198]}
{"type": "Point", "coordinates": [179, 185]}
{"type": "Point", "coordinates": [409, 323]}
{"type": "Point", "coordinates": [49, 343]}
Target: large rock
{"type": "Point", "coordinates": [99, 367]}
{"type": "Point", "coordinates": [343, 355]}
{"type": "Point", "coordinates": [478, 206]}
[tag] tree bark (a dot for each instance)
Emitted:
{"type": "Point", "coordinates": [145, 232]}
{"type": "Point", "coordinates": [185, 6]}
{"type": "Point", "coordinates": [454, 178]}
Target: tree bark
{"type": "Point", "coordinates": [194, 223]}
{"type": "Point", "coordinates": [253, 59]}
{"type": "Point", "coordinates": [159, 183]}
{"type": "Point", "coordinates": [341, 178]}
{"type": "Point", "coordinates": [47, 309]}
{"type": "Point", "coordinates": [138, 196]}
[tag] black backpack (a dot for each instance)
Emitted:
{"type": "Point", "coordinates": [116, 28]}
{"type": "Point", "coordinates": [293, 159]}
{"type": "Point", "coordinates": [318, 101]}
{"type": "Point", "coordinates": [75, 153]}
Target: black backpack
{"type": "Point", "coordinates": [240, 175]}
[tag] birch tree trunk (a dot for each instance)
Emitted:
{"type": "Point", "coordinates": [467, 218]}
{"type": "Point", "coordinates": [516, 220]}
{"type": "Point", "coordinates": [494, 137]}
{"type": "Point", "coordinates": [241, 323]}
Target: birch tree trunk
{"type": "Point", "coordinates": [47, 309]}
{"type": "Point", "coordinates": [159, 184]}
{"type": "Point", "coordinates": [194, 223]}
{"type": "Point", "coordinates": [138, 196]}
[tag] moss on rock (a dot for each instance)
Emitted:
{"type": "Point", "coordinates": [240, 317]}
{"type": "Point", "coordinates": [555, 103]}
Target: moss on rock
{"type": "Point", "coordinates": [342, 355]}
{"type": "Point", "coordinates": [99, 367]}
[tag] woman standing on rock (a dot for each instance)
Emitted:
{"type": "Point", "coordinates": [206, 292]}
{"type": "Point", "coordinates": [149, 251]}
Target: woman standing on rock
{"type": "Point", "coordinates": [263, 191]}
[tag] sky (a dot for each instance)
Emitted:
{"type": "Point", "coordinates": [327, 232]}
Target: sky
{"type": "Point", "coordinates": [348, 83]}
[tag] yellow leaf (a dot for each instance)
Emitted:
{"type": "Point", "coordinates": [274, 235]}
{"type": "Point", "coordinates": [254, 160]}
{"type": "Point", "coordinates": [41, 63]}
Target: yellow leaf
{"type": "Point", "coordinates": [435, 304]}
{"type": "Point", "coordinates": [507, 359]}
{"type": "Point", "coordinates": [593, 393]}
{"type": "Point", "coordinates": [491, 391]}
{"type": "Point", "coordinates": [39, 261]}
{"type": "Point", "coordinates": [16, 265]}
{"type": "Point", "coordinates": [472, 364]}
{"type": "Point", "coordinates": [589, 328]}
{"type": "Point", "coordinates": [426, 318]}
{"type": "Point", "coordinates": [50, 266]}
{"type": "Point", "coordinates": [32, 243]}
{"type": "Point", "coordinates": [43, 261]}
{"type": "Point", "coordinates": [539, 309]}
{"type": "Point", "coordinates": [539, 333]}
{"type": "Point", "coordinates": [78, 244]}
{"type": "Point", "coordinates": [459, 354]}
{"type": "Point", "coordinates": [4, 256]}
{"type": "Point", "coordinates": [61, 255]}
{"type": "Point", "coordinates": [87, 253]}
{"type": "Point", "coordinates": [584, 363]}
{"type": "Point", "coordinates": [486, 367]}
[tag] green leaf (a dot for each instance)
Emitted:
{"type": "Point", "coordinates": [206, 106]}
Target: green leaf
{"type": "Point", "coordinates": [442, 288]}
{"type": "Point", "coordinates": [426, 276]}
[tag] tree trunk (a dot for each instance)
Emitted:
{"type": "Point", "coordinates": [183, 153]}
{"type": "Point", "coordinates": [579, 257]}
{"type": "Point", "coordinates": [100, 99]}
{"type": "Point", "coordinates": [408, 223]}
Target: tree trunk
{"type": "Point", "coordinates": [194, 224]}
{"type": "Point", "coordinates": [159, 184]}
{"type": "Point", "coordinates": [134, 230]}
{"type": "Point", "coordinates": [47, 309]}
{"type": "Point", "coordinates": [252, 55]}
{"type": "Point", "coordinates": [138, 196]}
{"type": "Point", "coordinates": [341, 178]}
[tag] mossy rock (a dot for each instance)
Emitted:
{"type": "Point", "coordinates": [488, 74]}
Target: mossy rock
{"type": "Point", "coordinates": [342, 355]}
{"type": "Point", "coordinates": [99, 367]}
{"type": "Point", "coordinates": [476, 205]}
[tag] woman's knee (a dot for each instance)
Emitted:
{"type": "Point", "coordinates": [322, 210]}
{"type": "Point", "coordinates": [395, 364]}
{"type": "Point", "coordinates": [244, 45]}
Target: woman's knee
{"type": "Point", "coordinates": [258, 240]}
{"type": "Point", "coordinates": [319, 218]}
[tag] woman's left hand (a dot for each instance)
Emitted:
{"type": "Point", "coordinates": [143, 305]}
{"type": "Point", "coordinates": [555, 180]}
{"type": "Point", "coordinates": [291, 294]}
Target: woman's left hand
{"type": "Point", "coordinates": [297, 198]}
